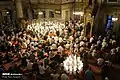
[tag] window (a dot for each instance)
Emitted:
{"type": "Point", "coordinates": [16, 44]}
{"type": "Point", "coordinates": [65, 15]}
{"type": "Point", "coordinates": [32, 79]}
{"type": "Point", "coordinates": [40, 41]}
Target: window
{"type": "Point", "coordinates": [90, 2]}
{"type": "Point", "coordinates": [112, 0]}
{"type": "Point", "coordinates": [77, 17]}
{"type": "Point", "coordinates": [51, 14]}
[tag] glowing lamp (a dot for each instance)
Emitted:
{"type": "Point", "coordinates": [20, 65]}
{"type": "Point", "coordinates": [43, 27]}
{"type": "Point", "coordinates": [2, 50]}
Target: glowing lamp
{"type": "Point", "coordinates": [114, 19]}
{"type": "Point", "coordinates": [78, 13]}
{"type": "Point", "coordinates": [40, 13]}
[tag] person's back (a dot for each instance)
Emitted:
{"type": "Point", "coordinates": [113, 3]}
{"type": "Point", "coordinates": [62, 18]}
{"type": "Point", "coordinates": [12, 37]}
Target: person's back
{"type": "Point", "coordinates": [60, 49]}
{"type": "Point", "coordinates": [29, 65]}
{"type": "Point", "coordinates": [41, 69]}
{"type": "Point", "coordinates": [8, 57]}
{"type": "Point", "coordinates": [57, 57]}
{"type": "Point", "coordinates": [88, 74]}
{"type": "Point", "coordinates": [35, 67]}
{"type": "Point", "coordinates": [55, 76]}
{"type": "Point", "coordinates": [24, 62]}
{"type": "Point", "coordinates": [46, 62]}
{"type": "Point", "coordinates": [64, 76]}
{"type": "Point", "coordinates": [15, 68]}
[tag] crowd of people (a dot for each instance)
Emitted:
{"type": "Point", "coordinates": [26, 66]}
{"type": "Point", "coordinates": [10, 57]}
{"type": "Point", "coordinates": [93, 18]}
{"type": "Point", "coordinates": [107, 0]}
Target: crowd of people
{"type": "Point", "coordinates": [54, 51]}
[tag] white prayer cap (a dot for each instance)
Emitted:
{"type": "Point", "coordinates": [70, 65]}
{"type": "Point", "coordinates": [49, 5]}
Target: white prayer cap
{"type": "Point", "coordinates": [85, 38]}
{"type": "Point", "coordinates": [104, 40]}
{"type": "Point", "coordinates": [106, 78]}
{"type": "Point", "coordinates": [64, 39]}
{"type": "Point", "coordinates": [94, 51]}
{"type": "Point", "coordinates": [75, 45]}
{"type": "Point", "coordinates": [77, 39]}
{"type": "Point", "coordinates": [81, 37]}
{"type": "Point", "coordinates": [68, 42]}
{"type": "Point", "coordinates": [67, 46]}
{"type": "Point", "coordinates": [54, 46]}
{"type": "Point", "coordinates": [100, 36]}
{"type": "Point", "coordinates": [82, 43]}
{"type": "Point", "coordinates": [78, 32]}
{"type": "Point", "coordinates": [82, 33]}
{"type": "Point", "coordinates": [20, 33]}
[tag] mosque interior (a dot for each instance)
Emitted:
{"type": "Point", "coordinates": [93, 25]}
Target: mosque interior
{"type": "Point", "coordinates": [60, 39]}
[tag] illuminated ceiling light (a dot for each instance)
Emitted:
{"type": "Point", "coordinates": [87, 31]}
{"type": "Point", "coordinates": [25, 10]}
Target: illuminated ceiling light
{"type": "Point", "coordinates": [58, 12]}
{"type": "Point", "coordinates": [7, 12]}
{"type": "Point", "coordinates": [78, 13]}
{"type": "Point", "coordinates": [40, 13]}
{"type": "Point", "coordinates": [114, 19]}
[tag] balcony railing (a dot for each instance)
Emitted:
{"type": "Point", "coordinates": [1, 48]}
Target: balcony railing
{"type": "Point", "coordinates": [112, 2]}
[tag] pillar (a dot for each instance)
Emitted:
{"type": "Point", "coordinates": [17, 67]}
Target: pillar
{"type": "Point", "coordinates": [19, 9]}
{"type": "Point", "coordinates": [63, 15]}
{"type": "Point", "coordinates": [1, 18]}
{"type": "Point", "coordinates": [29, 12]}
{"type": "Point", "coordinates": [71, 14]}
{"type": "Point", "coordinates": [19, 14]}
{"type": "Point", "coordinates": [68, 14]}
{"type": "Point", "coordinates": [47, 14]}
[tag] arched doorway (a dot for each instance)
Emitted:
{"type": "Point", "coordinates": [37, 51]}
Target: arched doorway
{"type": "Point", "coordinates": [88, 19]}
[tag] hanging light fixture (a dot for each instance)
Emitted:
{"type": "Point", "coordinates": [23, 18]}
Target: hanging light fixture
{"type": "Point", "coordinates": [114, 19]}
{"type": "Point", "coordinates": [40, 13]}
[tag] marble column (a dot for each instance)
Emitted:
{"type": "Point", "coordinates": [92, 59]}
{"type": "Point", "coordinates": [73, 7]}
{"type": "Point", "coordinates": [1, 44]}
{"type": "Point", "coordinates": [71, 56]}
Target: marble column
{"type": "Point", "coordinates": [1, 18]}
{"type": "Point", "coordinates": [68, 15]}
{"type": "Point", "coordinates": [19, 14]}
{"type": "Point", "coordinates": [71, 14]}
{"type": "Point", "coordinates": [63, 15]}
{"type": "Point", "coordinates": [47, 14]}
{"type": "Point", "coordinates": [30, 16]}
{"type": "Point", "coordinates": [19, 9]}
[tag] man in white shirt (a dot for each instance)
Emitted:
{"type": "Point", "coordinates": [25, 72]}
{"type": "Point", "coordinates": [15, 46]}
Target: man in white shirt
{"type": "Point", "coordinates": [41, 69]}
{"type": "Point", "coordinates": [60, 49]}
{"type": "Point", "coordinates": [60, 39]}
{"type": "Point", "coordinates": [92, 47]}
{"type": "Point", "coordinates": [113, 41]}
{"type": "Point", "coordinates": [82, 43]}
{"type": "Point", "coordinates": [118, 49]}
{"type": "Point", "coordinates": [81, 49]}
{"type": "Point", "coordinates": [71, 38]}
{"type": "Point", "coordinates": [29, 65]}
{"type": "Point", "coordinates": [113, 51]}
{"type": "Point", "coordinates": [81, 38]}
{"type": "Point", "coordinates": [91, 39]}
{"type": "Point", "coordinates": [56, 39]}
{"type": "Point", "coordinates": [98, 42]}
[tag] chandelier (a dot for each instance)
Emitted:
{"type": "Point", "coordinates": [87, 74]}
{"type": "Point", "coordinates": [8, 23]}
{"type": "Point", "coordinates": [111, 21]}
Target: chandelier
{"type": "Point", "coordinates": [73, 64]}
